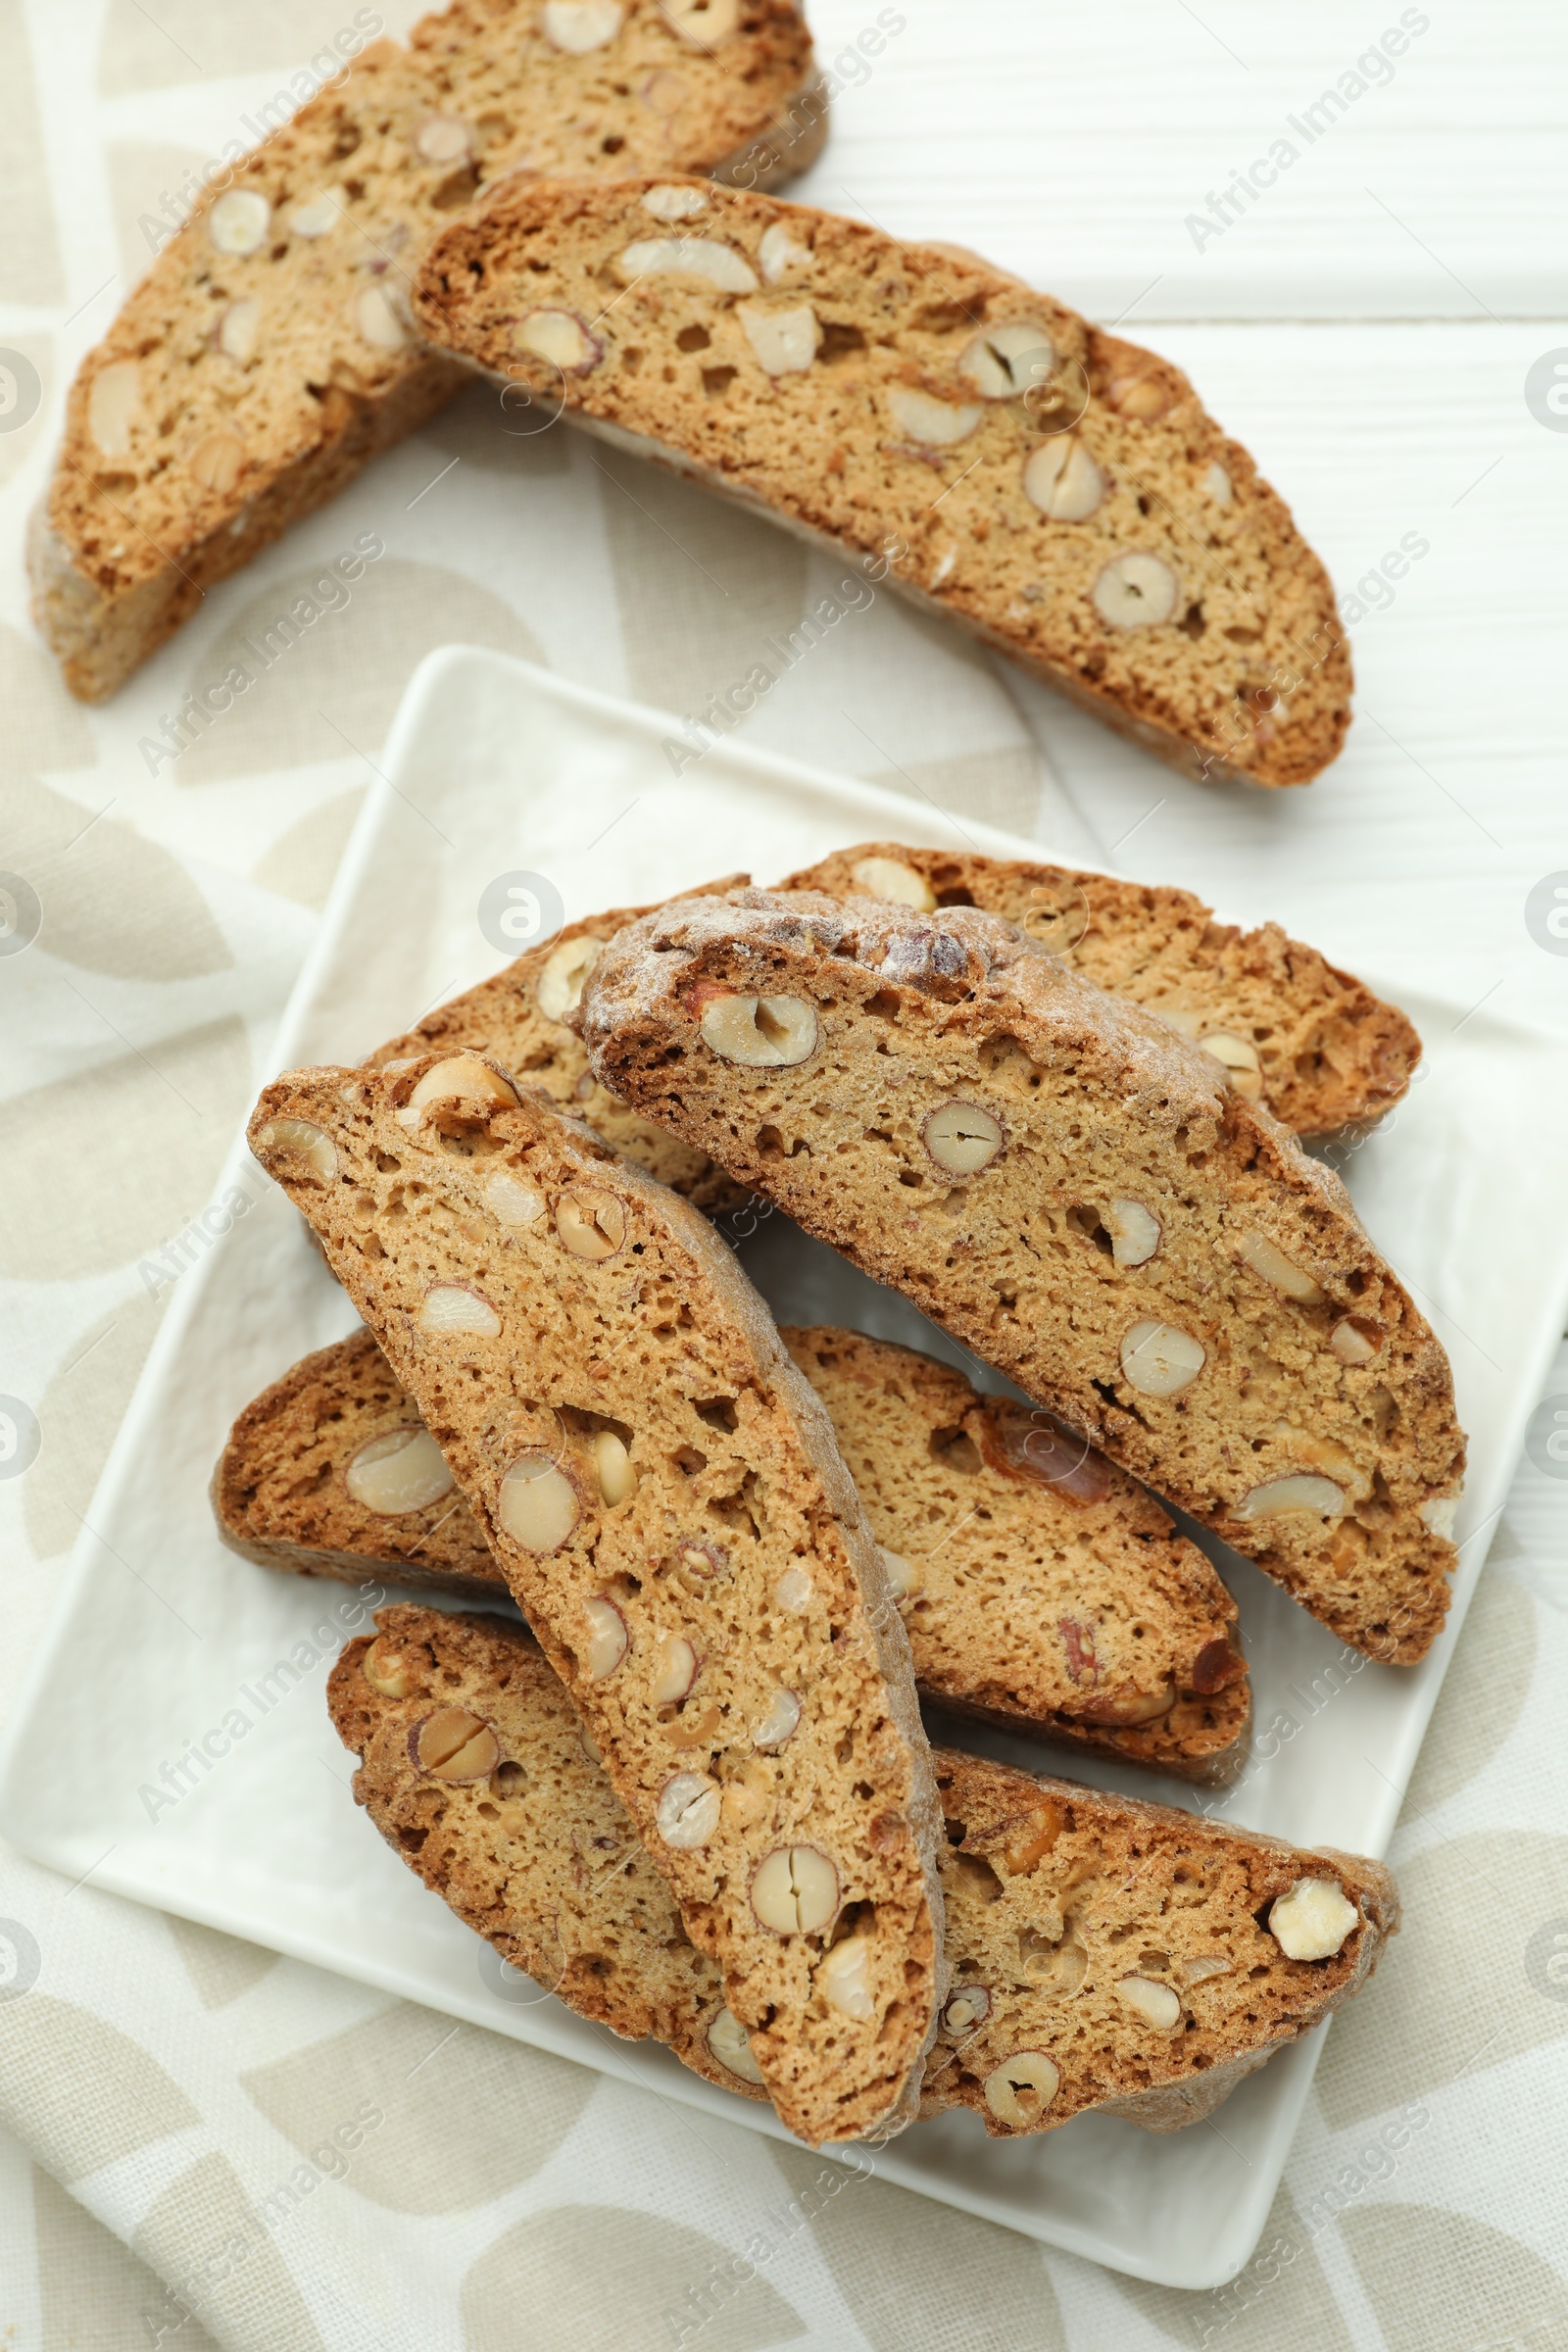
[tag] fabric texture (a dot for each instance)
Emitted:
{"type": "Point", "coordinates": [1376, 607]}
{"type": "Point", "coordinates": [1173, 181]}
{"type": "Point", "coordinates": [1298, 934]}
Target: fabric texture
{"type": "Point", "coordinates": [201, 2143]}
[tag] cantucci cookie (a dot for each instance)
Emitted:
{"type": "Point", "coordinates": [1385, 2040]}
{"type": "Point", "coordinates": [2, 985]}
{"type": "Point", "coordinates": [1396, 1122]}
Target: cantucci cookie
{"type": "Point", "coordinates": [522, 1017]}
{"type": "Point", "coordinates": [271, 351]}
{"type": "Point", "coordinates": [1071, 1189]}
{"type": "Point", "coordinates": [1105, 1955]}
{"type": "Point", "coordinates": [1311, 1043]}
{"type": "Point", "coordinates": [330, 1472]}
{"type": "Point", "coordinates": [1059, 492]}
{"type": "Point", "coordinates": [661, 1489]}
{"type": "Point", "coordinates": [1040, 1587]}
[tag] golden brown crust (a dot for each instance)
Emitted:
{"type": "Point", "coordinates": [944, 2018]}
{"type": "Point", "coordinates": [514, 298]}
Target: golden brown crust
{"type": "Point", "coordinates": [1138, 1891]}
{"type": "Point", "coordinates": [1056, 1894]}
{"type": "Point", "coordinates": [1227, 659]}
{"type": "Point", "coordinates": [1308, 1413]}
{"type": "Point", "coordinates": [661, 1489]}
{"type": "Point", "coordinates": [1045, 1590]}
{"type": "Point", "coordinates": [1328, 1053]}
{"type": "Point", "coordinates": [503, 1017]}
{"type": "Point", "coordinates": [227, 446]}
{"type": "Point", "coordinates": [279, 1495]}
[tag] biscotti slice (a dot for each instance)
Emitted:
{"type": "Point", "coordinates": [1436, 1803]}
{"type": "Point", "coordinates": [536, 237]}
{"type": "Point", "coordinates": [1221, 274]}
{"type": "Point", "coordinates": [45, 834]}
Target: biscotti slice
{"type": "Point", "coordinates": [1310, 1041]}
{"type": "Point", "coordinates": [1121, 1957]}
{"type": "Point", "coordinates": [330, 1472]}
{"type": "Point", "coordinates": [1059, 492]}
{"type": "Point", "coordinates": [474, 1768]}
{"type": "Point", "coordinates": [523, 1018]}
{"type": "Point", "coordinates": [1107, 1954]}
{"type": "Point", "coordinates": [270, 350]}
{"type": "Point", "coordinates": [661, 1489]}
{"type": "Point", "coordinates": [1071, 1189]}
{"type": "Point", "coordinates": [1040, 1587]}
{"type": "Point", "coordinates": [1318, 1049]}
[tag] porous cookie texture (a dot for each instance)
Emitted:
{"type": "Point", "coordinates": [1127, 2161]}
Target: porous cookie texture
{"type": "Point", "coordinates": [1073, 1190]}
{"type": "Point", "coordinates": [330, 1472]}
{"type": "Point", "coordinates": [1059, 491]}
{"type": "Point", "coordinates": [1312, 1044]}
{"type": "Point", "coordinates": [1039, 1586]}
{"type": "Point", "coordinates": [523, 1018]}
{"type": "Point", "coordinates": [527, 1843]}
{"type": "Point", "coordinates": [1105, 1954]}
{"type": "Point", "coordinates": [271, 351]}
{"type": "Point", "coordinates": [1118, 1955]}
{"type": "Point", "coordinates": [663, 1494]}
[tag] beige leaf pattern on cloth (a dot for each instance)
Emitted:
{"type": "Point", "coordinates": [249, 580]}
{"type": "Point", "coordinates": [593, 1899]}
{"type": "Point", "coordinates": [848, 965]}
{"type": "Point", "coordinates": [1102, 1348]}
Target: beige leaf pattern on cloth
{"type": "Point", "coordinates": [1435, 2277]}
{"type": "Point", "coordinates": [78, 1414]}
{"type": "Point", "coordinates": [187, 40]}
{"type": "Point", "coordinates": [216, 2251]}
{"type": "Point", "coordinates": [1492, 2008]}
{"type": "Point", "coordinates": [220, 1967]}
{"type": "Point", "coordinates": [93, 2293]}
{"type": "Point", "coordinates": [44, 728]}
{"type": "Point", "coordinates": [1281, 2302]}
{"type": "Point", "coordinates": [30, 251]}
{"type": "Point", "coordinates": [173, 1113]}
{"type": "Point", "coordinates": [701, 585]}
{"type": "Point", "coordinates": [21, 443]}
{"type": "Point", "coordinates": [607, 2276]}
{"type": "Point", "coordinates": [57, 2058]}
{"type": "Point", "coordinates": [301, 863]}
{"type": "Point", "coordinates": [328, 658]}
{"type": "Point", "coordinates": [146, 188]}
{"type": "Point", "coordinates": [111, 901]}
{"type": "Point", "coordinates": [433, 2078]}
{"type": "Point", "coordinates": [1483, 1691]}
{"type": "Point", "coordinates": [917, 2272]}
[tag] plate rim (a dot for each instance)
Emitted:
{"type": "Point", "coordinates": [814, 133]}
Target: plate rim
{"type": "Point", "coordinates": [1246, 2212]}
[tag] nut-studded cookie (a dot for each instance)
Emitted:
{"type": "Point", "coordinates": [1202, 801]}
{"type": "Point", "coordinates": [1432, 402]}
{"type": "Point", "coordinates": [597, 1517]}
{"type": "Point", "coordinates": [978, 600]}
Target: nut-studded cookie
{"type": "Point", "coordinates": [662, 1491]}
{"type": "Point", "coordinates": [1105, 1955]}
{"type": "Point", "coordinates": [1313, 1044]}
{"type": "Point", "coordinates": [271, 351]}
{"type": "Point", "coordinates": [1040, 1587]}
{"type": "Point", "coordinates": [1057, 491]}
{"type": "Point", "coordinates": [1071, 1189]}
{"type": "Point", "coordinates": [525, 1016]}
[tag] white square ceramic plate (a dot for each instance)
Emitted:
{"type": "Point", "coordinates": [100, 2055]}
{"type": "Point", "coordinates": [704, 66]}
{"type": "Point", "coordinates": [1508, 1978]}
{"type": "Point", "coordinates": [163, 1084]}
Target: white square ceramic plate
{"type": "Point", "coordinates": [495, 768]}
